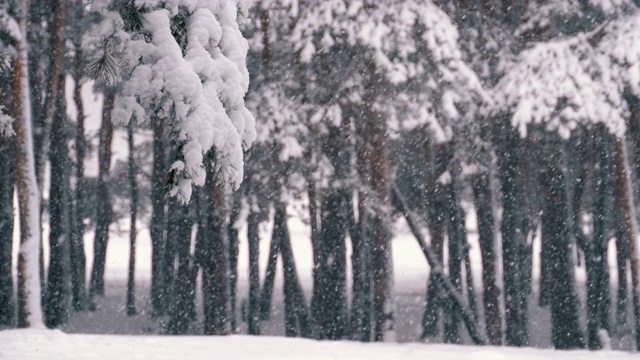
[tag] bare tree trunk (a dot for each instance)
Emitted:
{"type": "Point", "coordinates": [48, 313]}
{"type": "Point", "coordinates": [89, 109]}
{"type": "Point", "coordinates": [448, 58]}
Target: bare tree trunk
{"type": "Point", "coordinates": [57, 297]}
{"type": "Point", "coordinates": [486, 232]}
{"type": "Point", "coordinates": [215, 287]}
{"type": "Point", "coordinates": [232, 235]}
{"type": "Point", "coordinates": [7, 180]}
{"type": "Point", "coordinates": [103, 205]}
{"type": "Point", "coordinates": [253, 313]}
{"type": "Point", "coordinates": [625, 196]}
{"type": "Point", "coordinates": [269, 277]}
{"type": "Point", "coordinates": [456, 239]}
{"type": "Point", "coordinates": [565, 326]}
{"type": "Point", "coordinates": [159, 284]}
{"type": "Point", "coordinates": [133, 184]}
{"type": "Point", "coordinates": [29, 311]}
{"type": "Point", "coordinates": [513, 238]}
{"type": "Point", "coordinates": [179, 234]}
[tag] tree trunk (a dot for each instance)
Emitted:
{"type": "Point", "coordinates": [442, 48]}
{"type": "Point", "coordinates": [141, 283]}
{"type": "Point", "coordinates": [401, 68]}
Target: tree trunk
{"type": "Point", "coordinates": [103, 200]}
{"type": "Point", "coordinates": [232, 234]}
{"type": "Point", "coordinates": [29, 310]}
{"type": "Point", "coordinates": [486, 232]}
{"type": "Point", "coordinates": [215, 287]}
{"type": "Point", "coordinates": [513, 238]}
{"type": "Point", "coordinates": [269, 277]}
{"type": "Point", "coordinates": [133, 184]}
{"type": "Point", "coordinates": [625, 196]}
{"type": "Point", "coordinates": [622, 256]}
{"type": "Point", "coordinates": [57, 296]}
{"type": "Point", "coordinates": [179, 234]}
{"type": "Point", "coordinates": [253, 235]}
{"type": "Point", "coordinates": [7, 315]}
{"type": "Point", "coordinates": [565, 325]}
{"type": "Point", "coordinates": [456, 240]}
{"type": "Point", "coordinates": [157, 225]}
{"type": "Point", "coordinates": [297, 320]}
{"type": "Point", "coordinates": [78, 258]}
{"type": "Point", "coordinates": [596, 251]}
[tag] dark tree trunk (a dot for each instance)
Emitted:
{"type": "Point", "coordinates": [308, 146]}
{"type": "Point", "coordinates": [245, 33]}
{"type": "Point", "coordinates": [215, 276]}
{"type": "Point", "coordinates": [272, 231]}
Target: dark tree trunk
{"type": "Point", "coordinates": [565, 325]}
{"type": "Point", "coordinates": [215, 286]}
{"type": "Point", "coordinates": [625, 198]}
{"type": "Point", "coordinates": [456, 240]}
{"type": "Point", "coordinates": [253, 311]}
{"type": "Point", "coordinates": [513, 238]}
{"type": "Point", "coordinates": [6, 232]}
{"type": "Point", "coordinates": [596, 250]}
{"type": "Point", "coordinates": [622, 257]}
{"type": "Point", "coordinates": [157, 225]}
{"type": "Point", "coordinates": [437, 217]}
{"type": "Point", "coordinates": [78, 258]}
{"type": "Point", "coordinates": [330, 286]}
{"type": "Point", "coordinates": [297, 319]}
{"type": "Point", "coordinates": [269, 277]}
{"type": "Point", "coordinates": [486, 228]}
{"type": "Point", "coordinates": [179, 234]}
{"type": "Point", "coordinates": [57, 296]}
{"type": "Point", "coordinates": [103, 200]}
{"type": "Point", "coordinates": [232, 234]}
{"type": "Point", "coordinates": [133, 184]}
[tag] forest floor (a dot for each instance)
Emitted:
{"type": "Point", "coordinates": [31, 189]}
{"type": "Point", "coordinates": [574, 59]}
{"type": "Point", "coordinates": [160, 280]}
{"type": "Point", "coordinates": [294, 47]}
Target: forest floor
{"type": "Point", "coordinates": [54, 345]}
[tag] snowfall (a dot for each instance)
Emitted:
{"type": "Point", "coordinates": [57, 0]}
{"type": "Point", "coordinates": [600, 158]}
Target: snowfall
{"type": "Point", "coordinates": [108, 333]}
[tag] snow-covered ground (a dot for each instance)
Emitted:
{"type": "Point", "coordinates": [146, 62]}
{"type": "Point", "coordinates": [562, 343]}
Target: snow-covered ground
{"type": "Point", "coordinates": [53, 345]}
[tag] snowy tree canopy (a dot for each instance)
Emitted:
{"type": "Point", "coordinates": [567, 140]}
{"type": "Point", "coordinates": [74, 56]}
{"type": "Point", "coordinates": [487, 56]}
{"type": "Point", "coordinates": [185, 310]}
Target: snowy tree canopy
{"type": "Point", "coordinates": [560, 84]}
{"type": "Point", "coordinates": [621, 45]}
{"type": "Point", "coordinates": [412, 49]}
{"type": "Point", "coordinates": [184, 62]}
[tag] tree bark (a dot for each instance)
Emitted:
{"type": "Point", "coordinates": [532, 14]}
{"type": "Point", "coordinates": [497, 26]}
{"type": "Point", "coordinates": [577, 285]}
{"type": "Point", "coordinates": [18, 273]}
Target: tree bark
{"type": "Point", "coordinates": [78, 258]}
{"type": "Point", "coordinates": [157, 225]}
{"type": "Point", "coordinates": [29, 310]}
{"type": "Point", "coordinates": [215, 287]}
{"type": "Point", "coordinates": [625, 196]}
{"type": "Point", "coordinates": [179, 234]}
{"type": "Point", "coordinates": [513, 238]}
{"type": "Point", "coordinates": [133, 184]}
{"type": "Point", "coordinates": [565, 326]}
{"type": "Point", "coordinates": [232, 235]}
{"type": "Point", "coordinates": [57, 296]}
{"type": "Point", "coordinates": [7, 180]}
{"type": "Point", "coordinates": [486, 233]}
{"type": "Point", "coordinates": [269, 277]}
{"type": "Point", "coordinates": [253, 235]}
{"type": "Point", "coordinates": [103, 200]}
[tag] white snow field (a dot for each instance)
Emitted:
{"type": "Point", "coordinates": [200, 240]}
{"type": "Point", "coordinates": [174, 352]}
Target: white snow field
{"type": "Point", "coordinates": [53, 345]}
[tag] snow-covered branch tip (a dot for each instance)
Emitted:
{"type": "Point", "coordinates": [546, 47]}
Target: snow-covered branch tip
{"type": "Point", "coordinates": [5, 124]}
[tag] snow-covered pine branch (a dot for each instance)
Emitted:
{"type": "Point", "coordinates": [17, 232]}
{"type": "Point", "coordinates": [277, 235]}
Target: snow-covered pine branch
{"type": "Point", "coordinates": [5, 123]}
{"type": "Point", "coordinates": [560, 84]}
{"type": "Point", "coordinates": [185, 62]}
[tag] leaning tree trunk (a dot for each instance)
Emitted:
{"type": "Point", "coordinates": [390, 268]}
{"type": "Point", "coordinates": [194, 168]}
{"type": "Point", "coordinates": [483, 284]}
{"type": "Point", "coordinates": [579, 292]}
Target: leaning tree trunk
{"type": "Point", "coordinates": [6, 232]}
{"type": "Point", "coordinates": [57, 296]}
{"type": "Point", "coordinates": [103, 200]}
{"type": "Point", "coordinates": [625, 198]}
{"type": "Point", "coordinates": [29, 311]}
{"type": "Point", "coordinates": [565, 325]}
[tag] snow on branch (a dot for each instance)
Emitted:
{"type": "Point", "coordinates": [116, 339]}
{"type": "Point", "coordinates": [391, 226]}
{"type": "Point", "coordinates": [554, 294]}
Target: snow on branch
{"type": "Point", "coordinates": [560, 84]}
